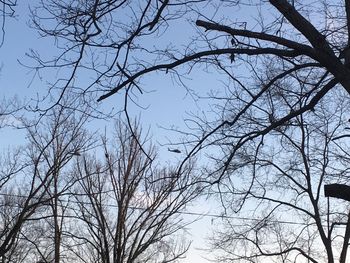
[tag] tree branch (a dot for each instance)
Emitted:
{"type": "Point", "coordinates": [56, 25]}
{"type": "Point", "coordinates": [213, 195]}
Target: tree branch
{"type": "Point", "coordinates": [192, 58]}
{"type": "Point", "coordinates": [307, 50]}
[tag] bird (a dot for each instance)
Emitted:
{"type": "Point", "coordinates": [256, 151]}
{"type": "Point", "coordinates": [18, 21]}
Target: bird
{"type": "Point", "coordinates": [232, 57]}
{"type": "Point", "coordinates": [174, 150]}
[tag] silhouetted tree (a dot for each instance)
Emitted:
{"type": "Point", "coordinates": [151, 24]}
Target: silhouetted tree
{"type": "Point", "coordinates": [281, 64]}
{"type": "Point", "coordinates": [30, 184]}
{"type": "Point", "coordinates": [128, 209]}
{"type": "Point", "coordinates": [275, 201]}
{"type": "Point", "coordinates": [284, 42]}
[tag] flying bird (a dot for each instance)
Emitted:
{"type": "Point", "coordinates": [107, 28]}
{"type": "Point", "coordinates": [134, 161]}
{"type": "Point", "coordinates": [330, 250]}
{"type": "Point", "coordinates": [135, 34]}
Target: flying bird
{"type": "Point", "coordinates": [174, 150]}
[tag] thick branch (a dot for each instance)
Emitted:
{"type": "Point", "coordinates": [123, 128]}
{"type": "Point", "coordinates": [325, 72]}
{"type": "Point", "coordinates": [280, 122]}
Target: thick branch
{"type": "Point", "coordinates": [304, 26]}
{"type": "Point", "coordinates": [325, 53]}
{"type": "Point", "coordinates": [347, 11]}
{"type": "Point", "coordinates": [191, 58]}
{"type": "Point", "coordinates": [307, 50]}
{"type": "Point", "coordinates": [345, 242]}
{"type": "Point", "coordinates": [158, 15]}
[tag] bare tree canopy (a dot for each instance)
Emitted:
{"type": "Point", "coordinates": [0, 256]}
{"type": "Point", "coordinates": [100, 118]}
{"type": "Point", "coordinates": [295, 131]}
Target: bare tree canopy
{"type": "Point", "coordinates": [273, 132]}
{"type": "Point", "coordinates": [28, 173]}
{"type": "Point", "coordinates": [277, 193]}
{"type": "Point", "coordinates": [127, 210]}
{"type": "Point", "coordinates": [258, 49]}
{"type": "Point", "coordinates": [60, 201]}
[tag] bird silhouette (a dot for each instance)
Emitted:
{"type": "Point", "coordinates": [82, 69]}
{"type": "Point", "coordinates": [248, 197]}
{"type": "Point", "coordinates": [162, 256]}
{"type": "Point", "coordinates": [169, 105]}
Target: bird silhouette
{"type": "Point", "coordinates": [174, 150]}
{"type": "Point", "coordinates": [232, 57]}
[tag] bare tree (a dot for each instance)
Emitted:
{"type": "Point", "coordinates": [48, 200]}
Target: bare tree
{"type": "Point", "coordinates": [275, 201]}
{"type": "Point", "coordinates": [129, 210]}
{"type": "Point", "coordinates": [31, 183]}
{"type": "Point", "coordinates": [7, 9]}
{"type": "Point", "coordinates": [278, 68]}
{"type": "Point", "coordinates": [293, 39]}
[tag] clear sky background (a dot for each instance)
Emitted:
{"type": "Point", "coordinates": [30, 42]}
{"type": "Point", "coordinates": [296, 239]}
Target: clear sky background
{"type": "Point", "coordinates": [166, 105]}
